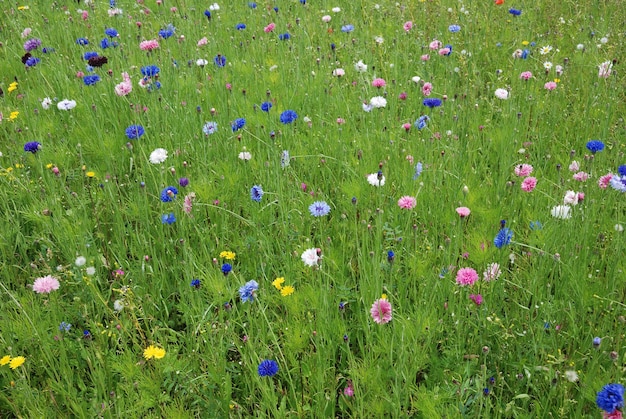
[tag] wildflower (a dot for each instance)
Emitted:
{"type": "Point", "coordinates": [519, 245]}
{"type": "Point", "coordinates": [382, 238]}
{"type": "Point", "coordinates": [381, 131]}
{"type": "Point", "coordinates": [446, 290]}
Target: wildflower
{"type": "Point", "coordinates": [561, 211]}
{"type": "Point", "coordinates": [65, 327]}
{"type": "Point", "coordinates": [245, 155]}
{"type": "Point", "coordinates": [149, 45]}
{"type": "Point", "coordinates": [46, 284]}
{"type": "Point", "coordinates": [515, 12]}
{"type": "Point", "coordinates": [288, 116]}
{"type": "Point", "coordinates": [596, 342]}
{"type": "Point", "coordinates": [32, 44]}
{"type": "Point", "coordinates": [5, 360]}
{"type": "Point", "coordinates": [32, 147]}
{"type": "Point", "coordinates": [80, 261]}
{"type": "Point", "coordinates": [526, 75]}
{"type": "Point", "coordinates": [545, 50]}
{"type": "Point", "coordinates": [256, 193]}
{"type": "Point", "coordinates": [378, 83]}
{"type": "Point", "coordinates": [248, 290]}
{"type": "Point", "coordinates": [12, 87]}
{"type": "Point", "coordinates": [284, 159]}
{"type": "Point", "coordinates": [339, 72]}
{"type": "Point", "coordinates": [349, 390]}
{"type": "Point", "coordinates": [391, 256]}
{"type": "Point", "coordinates": [168, 194]}
{"type": "Point", "coordinates": [32, 61]}
{"type": "Point", "coordinates": [286, 291]}
{"type": "Point", "coordinates": [376, 179]}
{"type": "Point", "coordinates": [503, 237]}
{"type": "Point", "coordinates": [571, 376]}
{"type": "Point", "coordinates": [547, 65]}
{"type": "Point", "coordinates": [432, 102]}
{"type": "Point", "coordinates": [529, 183]}
{"type": "Point", "coordinates": [595, 145]}
{"type": "Point", "coordinates": [266, 106]}
{"type": "Point", "coordinates": [381, 311]}
{"type": "Point", "coordinates": [167, 32]}
{"type": "Point", "coordinates": [476, 298]}
{"type": "Point", "coordinates": [466, 276]}
{"type": "Point", "coordinates": [159, 155]}
{"type": "Point", "coordinates": [502, 94]}
{"type": "Point", "coordinates": [378, 102]}
{"type": "Point", "coordinates": [125, 87]}
{"type": "Point", "coordinates": [226, 268]}
{"type": "Point", "coordinates": [622, 170]}
{"type": "Point", "coordinates": [268, 368]}
{"type": "Point", "coordinates": [195, 283]}
{"type": "Point", "coordinates": [228, 255]}
{"type": "Point", "coordinates": [492, 272]}
{"type": "Point", "coordinates": [407, 202]}
{"type": "Point", "coordinates": [284, 36]}
{"type": "Point", "coordinates": [209, 128]}
{"type": "Point", "coordinates": [618, 183]}
{"type": "Point", "coordinates": [153, 352]}
{"type": "Point", "coordinates": [168, 218]}
{"type": "Point", "coordinates": [571, 198]}
{"type": "Point", "coordinates": [523, 170]}
{"type": "Point", "coordinates": [16, 362]}
{"type": "Point", "coordinates": [278, 283]}
{"type": "Point", "coordinates": [347, 28]}
{"type": "Point", "coordinates": [311, 257]}
{"type": "Point", "coordinates": [550, 85]}
{"type": "Point", "coordinates": [240, 26]}
{"type": "Point", "coordinates": [219, 60]}
{"type": "Point", "coordinates": [422, 122]}
{"type": "Point", "coordinates": [463, 212]}
{"type": "Point", "coordinates": [611, 398]}
{"type": "Point", "coordinates": [360, 67]}
{"type": "Point", "coordinates": [133, 132]}
{"type": "Point", "coordinates": [604, 69]}
{"type": "Point", "coordinates": [238, 124]}
{"type": "Point", "coordinates": [319, 208]}
{"type": "Point", "coordinates": [66, 105]}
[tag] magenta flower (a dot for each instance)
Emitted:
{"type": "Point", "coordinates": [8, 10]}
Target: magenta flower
{"type": "Point", "coordinates": [550, 85]}
{"type": "Point", "coordinates": [407, 202]}
{"type": "Point", "coordinates": [381, 311]}
{"type": "Point", "coordinates": [427, 89]}
{"type": "Point", "coordinates": [604, 181]}
{"type": "Point", "coordinates": [529, 183]}
{"type": "Point", "coordinates": [463, 212]}
{"type": "Point", "coordinates": [466, 276]}
{"type": "Point", "coordinates": [379, 83]}
{"type": "Point", "coordinates": [476, 298]}
{"type": "Point", "coordinates": [46, 284]}
{"type": "Point", "coordinates": [526, 75]}
{"type": "Point", "coordinates": [407, 26]}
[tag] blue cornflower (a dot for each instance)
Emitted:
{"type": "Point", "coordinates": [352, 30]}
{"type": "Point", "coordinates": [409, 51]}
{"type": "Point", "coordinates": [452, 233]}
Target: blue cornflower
{"type": "Point", "coordinates": [154, 86]}
{"type": "Point", "coordinates": [536, 225]}
{"type": "Point", "coordinates": [622, 170]}
{"type": "Point", "coordinates": [268, 368]}
{"type": "Point", "coordinates": [65, 327]}
{"type": "Point", "coordinates": [168, 194]}
{"type": "Point", "coordinates": [422, 121]}
{"type": "Point", "coordinates": [618, 183]}
{"type": "Point", "coordinates": [525, 54]}
{"type": "Point", "coordinates": [256, 193]}
{"type": "Point", "coordinates": [596, 342]}
{"type": "Point", "coordinates": [106, 43]}
{"type": "Point", "coordinates": [595, 145]}
{"type": "Point", "coordinates": [111, 3]}
{"type": "Point", "coordinates": [89, 68]}
{"type": "Point", "coordinates": [207, 13]}
{"type": "Point", "coordinates": [247, 291]}
{"type": "Point", "coordinates": [240, 26]}
{"type": "Point", "coordinates": [209, 128]}
{"type": "Point", "coordinates": [150, 70]}
{"type": "Point", "coordinates": [32, 61]}
{"type": "Point", "coordinates": [226, 268]}
{"type": "Point", "coordinates": [195, 283]}
{"type": "Point", "coordinates": [276, 9]}
{"type": "Point", "coordinates": [390, 256]}
{"type": "Point", "coordinates": [219, 60]}
{"type": "Point", "coordinates": [454, 28]}
{"type": "Point", "coordinates": [90, 54]}
{"type": "Point", "coordinates": [319, 209]}
{"type": "Point", "coordinates": [284, 159]}
{"type": "Point", "coordinates": [288, 116]}
{"type": "Point", "coordinates": [432, 102]}
{"type": "Point", "coordinates": [515, 12]}
{"type": "Point", "coordinates": [347, 28]}
{"type": "Point", "coordinates": [238, 124]}
{"type": "Point", "coordinates": [266, 106]}
{"type": "Point", "coordinates": [47, 50]}
{"type": "Point", "coordinates": [503, 237]}
{"type": "Point", "coordinates": [133, 132]}
{"type": "Point", "coordinates": [82, 41]}
{"type": "Point", "coordinates": [611, 398]}
{"type": "Point", "coordinates": [449, 47]}
{"type": "Point", "coordinates": [418, 170]}
{"type": "Point", "coordinates": [168, 218]}
{"type": "Point", "coordinates": [111, 33]}
{"type": "Point", "coordinates": [252, 5]}
{"type": "Point", "coordinates": [167, 31]}
{"type": "Point", "coordinates": [91, 79]}
{"type": "Point", "coordinates": [284, 36]}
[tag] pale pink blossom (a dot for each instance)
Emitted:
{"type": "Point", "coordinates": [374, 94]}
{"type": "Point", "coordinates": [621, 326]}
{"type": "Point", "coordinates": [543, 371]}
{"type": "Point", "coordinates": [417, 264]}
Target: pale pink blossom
{"type": "Point", "coordinates": [407, 202]}
{"type": "Point", "coordinates": [574, 166]}
{"type": "Point", "coordinates": [466, 276]}
{"type": "Point", "coordinates": [149, 45]}
{"type": "Point", "coordinates": [379, 83]}
{"type": "Point", "coordinates": [571, 198]}
{"type": "Point", "coordinates": [339, 72]}
{"type": "Point", "coordinates": [381, 311]}
{"type": "Point", "coordinates": [604, 69]}
{"type": "Point", "coordinates": [407, 26]}
{"type": "Point", "coordinates": [581, 176]}
{"type": "Point", "coordinates": [523, 170]}
{"type": "Point", "coordinates": [26, 32]}
{"type": "Point", "coordinates": [427, 89]}
{"type": "Point", "coordinates": [526, 75]}
{"type": "Point", "coordinates": [529, 183]}
{"type": "Point", "coordinates": [550, 85]}
{"type": "Point", "coordinates": [46, 284]}
{"type": "Point", "coordinates": [203, 41]}
{"type": "Point", "coordinates": [603, 182]}
{"type": "Point", "coordinates": [269, 28]}
{"type": "Point", "coordinates": [409, 157]}
{"type": "Point", "coordinates": [425, 57]}
{"type": "Point", "coordinates": [125, 87]}
{"type": "Point", "coordinates": [492, 272]}
{"type": "Point", "coordinates": [188, 202]}
{"type": "Point", "coordinates": [326, 18]}
{"type": "Point", "coordinates": [444, 51]}
{"type": "Point", "coordinates": [435, 45]}
{"type": "Point", "coordinates": [463, 212]}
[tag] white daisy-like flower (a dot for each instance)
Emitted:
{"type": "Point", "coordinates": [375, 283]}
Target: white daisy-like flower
{"type": "Point", "coordinates": [245, 155]}
{"type": "Point", "coordinates": [373, 179]}
{"type": "Point", "coordinates": [158, 156]}
{"type": "Point", "coordinates": [311, 257]}
{"type": "Point", "coordinates": [46, 102]}
{"type": "Point", "coordinates": [360, 67]}
{"type": "Point", "coordinates": [547, 65]}
{"type": "Point", "coordinates": [545, 50]}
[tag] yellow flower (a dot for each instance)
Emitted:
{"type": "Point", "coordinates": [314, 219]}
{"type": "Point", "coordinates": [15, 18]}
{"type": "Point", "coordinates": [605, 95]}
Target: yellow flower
{"type": "Point", "coordinates": [49, 166]}
{"type": "Point", "coordinates": [18, 166]}
{"type": "Point", "coordinates": [384, 296]}
{"type": "Point", "coordinates": [90, 174]}
{"type": "Point", "coordinates": [287, 291]}
{"type": "Point", "coordinates": [12, 86]}
{"type": "Point", "coordinates": [16, 362]}
{"type": "Point", "coordinates": [228, 255]}
{"type": "Point", "coordinates": [525, 43]}
{"type": "Point", "coordinates": [5, 360]}
{"type": "Point", "coordinates": [153, 352]}
{"type": "Point", "coordinates": [13, 115]}
{"type": "Point", "coordinates": [278, 283]}
{"type": "Point", "coordinates": [23, 7]}
{"type": "Point", "coordinates": [557, 80]}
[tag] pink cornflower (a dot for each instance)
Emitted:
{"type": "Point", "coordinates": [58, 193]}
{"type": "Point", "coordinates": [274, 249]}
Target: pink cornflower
{"type": "Point", "coordinates": [435, 45]}
{"type": "Point", "coordinates": [523, 170]}
{"type": "Point", "coordinates": [269, 28]}
{"type": "Point", "coordinates": [476, 298]}
{"type": "Point", "coordinates": [427, 89]}
{"type": "Point", "coordinates": [603, 182]}
{"type": "Point", "coordinates": [203, 41]}
{"type": "Point", "coordinates": [339, 72]}
{"type": "Point", "coordinates": [402, 96]}
{"type": "Point", "coordinates": [349, 390]}
{"type": "Point", "coordinates": [425, 57]}
{"type": "Point", "coordinates": [581, 176]}
{"type": "Point", "coordinates": [149, 45]}
{"type": "Point", "coordinates": [187, 205]}
{"type": "Point", "coordinates": [379, 83]}
{"type": "Point", "coordinates": [341, 121]}
{"type": "Point", "coordinates": [574, 166]}
{"type": "Point", "coordinates": [526, 75]}
{"type": "Point", "coordinates": [492, 272]}
{"type": "Point", "coordinates": [407, 202]}
{"type": "Point", "coordinates": [466, 276]}
{"type": "Point", "coordinates": [407, 26]}
{"type": "Point", "coordinates": [444, 51]}
{"type": "Point", "coordinates": [125, 87]}
{"type": "Point", "coordinates": [80, 74]}
{"type": "Point", "coordinates": [581, 196]}
{"type": "Point", "coordinates": [604, 69]}
{"type": "Point", "coordinates": [550, 85]}
{"type": "Point", "coordinates": [529, 183]}
{"type": "Point", "coordinates": [409, 157]}
{"type": "Point", "coordinates": [463, 212]}
{"type": "Point", "coordinates": [46, 284]}
{"type": "Point", "coordinates": [381, 311]}
{"type": "Point", "coordinates": [406, 126]}
{"type": "Point", "coordinates": [85, 15]}
{"type": "Point", "coordinates": [570, 198]}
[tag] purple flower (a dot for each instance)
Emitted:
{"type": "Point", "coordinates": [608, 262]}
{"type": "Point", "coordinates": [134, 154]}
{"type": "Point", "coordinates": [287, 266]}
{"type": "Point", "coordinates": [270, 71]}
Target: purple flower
{"type": "Point", "coordinates": [32, 147]}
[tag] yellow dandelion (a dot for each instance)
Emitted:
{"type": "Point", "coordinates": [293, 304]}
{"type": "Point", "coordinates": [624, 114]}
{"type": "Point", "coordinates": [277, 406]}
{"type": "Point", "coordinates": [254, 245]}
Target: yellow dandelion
{"type": "Point", "coordinates": [287, 290]}
{"type": "Point", "coordinates": [557, 80]}
{"type": "Point", "coordinates": [525, 43]}
{"type": "Point", "coordinates": [278, 283]}
{"type": "Point", "coordinates": [16, 362]}
{"type": "Point", "coordinates": [5, 360]}
{"type": "Point", "coordinates": [49, 166]}
{"type": "Point", "coordinates": [228, 255]}
{"type": "Point", "coordinates": [384, 296]}
{"type": "Point", "coordinates": [18, 166]}
{"type": "Point", "coordinates": [23, 7]}
{"type": "Point", "coordinates": [12, 86]}
{"type": "Point", "coordinates": [153, 352]}
{"type": "Point", "coordinates": [13, 115]}
{"type": "Point", "coordinates": [90, 174]}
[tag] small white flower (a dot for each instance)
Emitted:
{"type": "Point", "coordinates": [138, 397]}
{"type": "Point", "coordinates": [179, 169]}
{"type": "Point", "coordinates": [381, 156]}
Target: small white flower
{"type": "Point", "coordinates": [580, 47]}
{"type": "Point", "coordinates": [80, 261]}
{"type": "Point", "coordinates": [336, 9]}
{"type": "Point", "coordinates": [201, 62]}
{"type": "Point", "coordinates": [415, 79]}
{"type": "Point", "coordinates": [379, 40]}
{"type": "Point", "coordinates": [118, 305]}
{"type": "Point", "coordinates": [561, 211]}
{"type": "Point", "coordinates": [307, 119]}
{"type": "Point", "coordinates": [91, 271]}
{"type": "Point", "coordinates": [571, 376]}
{"type": "Point", "coordinates": [245, 155]}
{"type": "Point", "coordinates": [214, 7]}
{"type": "Point", "coordinates": [46, 102]}
{"type": "Point", "coordinates": [547, 65]}
{"type": "Point", "coordinates": [310, 257]}
{"type": "Point", "coordinates": [378, 102]}
{"type": "Point", "coordinates": [374, 181]}
{"type": "Point", "coordinates": [274, 67]}
{"type": "Point", "coordinates": [619, 228]}
{"type": "Point", "coordinates": [367, 107]}
{"type": "Point", "coordinates": [360, 67]}
{"type": "Point", "coordinates": [66, 105]}
{"type": "Point", "coordinates": [502, 94]}
{"type": "Point", "coordinates": [326, 18]}
{"type": "Point", "coordinates": [604, 40]}
{"type": "Point", "coordinates": [545, 50]}
{"type": "Point", "coordinates": [158, 156]}
{"type": "Point", "coordinates": [339, 72]}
